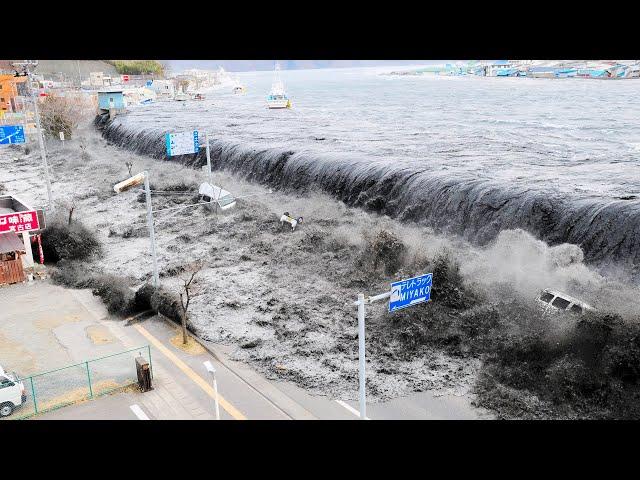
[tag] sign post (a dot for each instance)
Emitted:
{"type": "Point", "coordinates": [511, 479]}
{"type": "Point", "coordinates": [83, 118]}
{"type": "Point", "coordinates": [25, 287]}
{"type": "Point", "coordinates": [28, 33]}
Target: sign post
{"type": "Point", "coordinates": [206, 139]}
{"type": "Point", "coordinates": [403, 294]}
{"type": "Point", "coordinates": [361, 358]}
{"type": "Point", "coordinates": [62, 138]}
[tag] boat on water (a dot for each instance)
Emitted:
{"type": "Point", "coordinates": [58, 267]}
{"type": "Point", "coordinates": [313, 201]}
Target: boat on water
{"type": "Point", "coordinates": [199, 96]}
{"type": "Point", "coordinates": [277, 98]}
{"type": "Point", "coordinates": [239, 89]}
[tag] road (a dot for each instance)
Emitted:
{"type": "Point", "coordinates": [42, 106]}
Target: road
{"type": "Point", "coordinates": [182, 386]}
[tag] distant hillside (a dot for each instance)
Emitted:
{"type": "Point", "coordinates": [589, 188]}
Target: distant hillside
{"type": "Point", "coordinates": [137, 67]}
{"type": "Point", "coordinates": [69, 68]}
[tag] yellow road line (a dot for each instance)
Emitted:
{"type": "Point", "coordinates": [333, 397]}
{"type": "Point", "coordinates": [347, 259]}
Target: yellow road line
{"type": "Point", "coordinates": [230, 409]}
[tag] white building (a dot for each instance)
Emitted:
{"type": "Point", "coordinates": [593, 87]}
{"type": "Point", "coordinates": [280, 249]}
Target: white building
{"type": "Point", "coordinates": [164, 89]}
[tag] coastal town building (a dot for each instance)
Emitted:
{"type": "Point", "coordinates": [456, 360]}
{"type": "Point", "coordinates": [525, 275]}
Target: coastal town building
{"type": "Point", "coordinates": [10, 88]}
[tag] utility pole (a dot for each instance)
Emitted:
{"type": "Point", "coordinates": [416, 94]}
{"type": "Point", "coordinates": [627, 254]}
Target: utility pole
{"type": "Point", "coordinates": [26, 65]}
{"type": "Point", "coordinates": [152, 235]}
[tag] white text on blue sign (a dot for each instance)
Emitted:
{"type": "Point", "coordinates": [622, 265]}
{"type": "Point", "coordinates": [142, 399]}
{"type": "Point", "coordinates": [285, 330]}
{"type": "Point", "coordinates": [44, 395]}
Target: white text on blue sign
{"type": "Point", "coordinates": [411, 291]}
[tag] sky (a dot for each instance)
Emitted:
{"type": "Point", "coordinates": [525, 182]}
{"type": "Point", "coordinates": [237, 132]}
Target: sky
{"type": "Point", "coordinates": [252, 65]}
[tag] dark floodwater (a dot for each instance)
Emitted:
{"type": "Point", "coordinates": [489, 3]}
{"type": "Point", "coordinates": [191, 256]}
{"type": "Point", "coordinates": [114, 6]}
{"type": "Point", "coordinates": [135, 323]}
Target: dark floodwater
{"type": "Point", "coordinates": [557, 157]}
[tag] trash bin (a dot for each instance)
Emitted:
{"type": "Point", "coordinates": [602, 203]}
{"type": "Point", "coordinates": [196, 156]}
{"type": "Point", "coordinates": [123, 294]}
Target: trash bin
{"type": "Point", "coordinates": [144, 374]}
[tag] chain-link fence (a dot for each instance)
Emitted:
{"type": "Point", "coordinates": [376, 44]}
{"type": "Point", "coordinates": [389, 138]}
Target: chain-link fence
{"type": "Point", "coordinates": [76, 383]}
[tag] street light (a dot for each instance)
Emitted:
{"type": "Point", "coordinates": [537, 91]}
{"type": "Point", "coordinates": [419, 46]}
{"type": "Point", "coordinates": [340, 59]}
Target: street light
{"type": "Point", "coordinates": [212, 371]}
{"type": "Point", "coordinates": [27, 72]}
{"type": "Point", "coordinates": [126, 185]}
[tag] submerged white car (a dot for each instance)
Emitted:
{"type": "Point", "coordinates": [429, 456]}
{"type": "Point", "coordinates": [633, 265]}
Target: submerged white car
{"type": "Point", "coordinates": [552, 301]}
{"type": "Point", "coordinates": [12, 393]}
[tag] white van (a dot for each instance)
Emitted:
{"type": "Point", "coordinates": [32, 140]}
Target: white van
{"type": "Point", "coordinates": [12, 393]}
{"type": "Point", "coordinates": [553, 300]}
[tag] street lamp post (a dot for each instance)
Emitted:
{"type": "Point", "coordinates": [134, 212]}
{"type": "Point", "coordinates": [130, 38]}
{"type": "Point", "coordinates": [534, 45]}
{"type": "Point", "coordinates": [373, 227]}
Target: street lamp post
{"type": "Point", "coordinates": [43, 152]}
{"type": "Point", "coordinates": [212, 371]}
{"type": "Point", "coordinates": [132, 182]}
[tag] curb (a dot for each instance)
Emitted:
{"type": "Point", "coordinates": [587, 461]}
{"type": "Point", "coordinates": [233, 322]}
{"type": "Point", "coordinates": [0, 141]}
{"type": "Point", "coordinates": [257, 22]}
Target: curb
{"type": "Point", "coordinates": [273, 395]}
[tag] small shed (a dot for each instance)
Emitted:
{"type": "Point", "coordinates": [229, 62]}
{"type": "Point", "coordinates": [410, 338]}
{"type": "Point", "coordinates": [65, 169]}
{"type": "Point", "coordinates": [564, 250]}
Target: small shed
{"type": "Point", "coordinates": [11, 250]}
{"type": "Point", "coordinates": [111, 99]}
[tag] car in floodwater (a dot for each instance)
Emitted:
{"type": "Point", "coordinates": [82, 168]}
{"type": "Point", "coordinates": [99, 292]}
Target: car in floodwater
{"type": "Point", "coordinates": [554, 301]}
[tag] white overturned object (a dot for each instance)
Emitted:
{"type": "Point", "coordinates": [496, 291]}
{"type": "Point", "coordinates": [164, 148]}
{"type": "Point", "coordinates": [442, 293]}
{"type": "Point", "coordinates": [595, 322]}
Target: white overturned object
{"type": "Point", "coordinates": [286, 217]}
{"type": "Point", "coordinates": [129, 182]}
{"type": "Point", "coordinates": [214, 193]}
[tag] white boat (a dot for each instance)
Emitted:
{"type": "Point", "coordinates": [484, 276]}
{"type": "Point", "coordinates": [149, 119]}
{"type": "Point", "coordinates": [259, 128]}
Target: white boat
{"type": "Point", "coordinates": [277, 98]}
{"type": "Point", "coordinates": [239, 89]}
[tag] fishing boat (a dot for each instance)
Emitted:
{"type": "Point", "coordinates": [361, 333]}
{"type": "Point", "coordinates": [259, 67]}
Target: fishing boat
{"type": "Point", "coordinates": [277, 98]}
{"type": "Point", "coordinates": [239, 89]}
{"type": "Point", "coordinates": [199, 96]}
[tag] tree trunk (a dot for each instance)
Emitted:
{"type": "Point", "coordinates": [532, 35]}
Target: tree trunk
{"type": "Point", "coordinates": [184, 329]}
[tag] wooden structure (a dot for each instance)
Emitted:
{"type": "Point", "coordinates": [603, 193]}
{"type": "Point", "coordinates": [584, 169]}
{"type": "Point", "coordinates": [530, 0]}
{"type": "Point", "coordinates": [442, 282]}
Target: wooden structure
{"type": "Point", "coordinates": [11, 250]}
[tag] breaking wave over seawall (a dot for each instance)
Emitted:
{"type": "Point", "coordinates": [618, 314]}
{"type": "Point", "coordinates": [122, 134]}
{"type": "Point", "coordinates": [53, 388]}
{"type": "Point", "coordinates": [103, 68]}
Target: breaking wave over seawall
{"type": "Point", "coordinates": [459, 203]}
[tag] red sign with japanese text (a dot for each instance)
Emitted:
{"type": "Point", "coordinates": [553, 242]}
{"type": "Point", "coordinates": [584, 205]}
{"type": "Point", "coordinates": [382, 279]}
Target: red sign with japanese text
{"type": "Point", "coordinates": [19, 222]}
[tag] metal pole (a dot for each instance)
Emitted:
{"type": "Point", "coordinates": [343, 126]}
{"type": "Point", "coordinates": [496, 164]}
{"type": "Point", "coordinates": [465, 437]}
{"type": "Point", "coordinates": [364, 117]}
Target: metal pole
{"type": "Point", "coordinates": [89, 379]}
{"type": "Point", "coordinates": [150, 363]}
{"type": "Point", "coordinates": [215, 390]}
{"type": "Point", "coordinates": [152, 235]}
{"type": "Point", "coordinates": [33, 394]}
{"type": "Point", "coordinates": [206, 139]}
{"type": "Point", "coordinates": [43, 153]}
{"type": "Point", "coordinates": [363, 400]}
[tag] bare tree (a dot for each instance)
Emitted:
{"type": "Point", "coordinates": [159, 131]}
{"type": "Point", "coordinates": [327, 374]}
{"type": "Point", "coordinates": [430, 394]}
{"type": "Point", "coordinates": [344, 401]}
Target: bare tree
{"type": "Point", "coordinates": [129, 167]}
{"type": "Point", "coordinates": [190, 290]}
{"type": "Point", "coordinates": [68, 204]}
{"type": "Point", "coordinates": [63, 114]}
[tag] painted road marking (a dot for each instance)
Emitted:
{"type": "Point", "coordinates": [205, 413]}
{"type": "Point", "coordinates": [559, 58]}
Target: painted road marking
{"type": "Point", "coordinates": [139, 413]}
{"type": "Point", "coordinates": [198, 380]}
{"type": "Point", "coordinates": [350, 408]}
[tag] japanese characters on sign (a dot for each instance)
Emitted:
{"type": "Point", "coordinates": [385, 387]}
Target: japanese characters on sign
{"type": "Point", "coordinates": [19, 222]}
{"type": "Point", "coordinates": [410, 292]}
{"type": "Point", "coordinates": [182, 143]}
{"type": "Point", "coordinates": [10, 134]}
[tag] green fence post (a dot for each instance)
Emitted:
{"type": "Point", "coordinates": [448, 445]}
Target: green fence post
{"type": "Point", "coordinates": [33, 394]}
{"type": "Point", "coordinates": [150, 364]}
{"type": "Point", "coordinates": [89, 378]}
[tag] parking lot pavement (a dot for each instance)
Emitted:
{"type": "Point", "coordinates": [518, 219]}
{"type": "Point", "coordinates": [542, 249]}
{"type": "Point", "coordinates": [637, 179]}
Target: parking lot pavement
{"type": "Point", "coordinates": [109, 407]}
{"type": "Point", "coordinates": [44, 327]}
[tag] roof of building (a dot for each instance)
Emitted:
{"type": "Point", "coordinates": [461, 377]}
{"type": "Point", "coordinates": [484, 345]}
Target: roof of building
{"type": "Point", "coordinates": [111, 90]}
{"type": "Point", "coordinates": [10, 242]}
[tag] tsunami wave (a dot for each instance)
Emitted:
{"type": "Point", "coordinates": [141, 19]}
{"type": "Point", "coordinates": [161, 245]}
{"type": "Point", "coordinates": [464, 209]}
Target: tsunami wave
{"type": "Point", "coordinates": [607, 230]}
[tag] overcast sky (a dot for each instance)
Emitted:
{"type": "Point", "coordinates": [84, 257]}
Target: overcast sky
{"type": "Point", "coordinates": [252, 65]}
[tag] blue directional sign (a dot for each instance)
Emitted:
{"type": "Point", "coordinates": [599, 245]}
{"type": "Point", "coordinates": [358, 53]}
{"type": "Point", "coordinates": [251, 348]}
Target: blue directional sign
{"type": "Point", "coordinates": [11, 134]}
{"type": "Point", "coordinates": [149, 83]}
{"type": "Point", "coordinates": [411, 291]}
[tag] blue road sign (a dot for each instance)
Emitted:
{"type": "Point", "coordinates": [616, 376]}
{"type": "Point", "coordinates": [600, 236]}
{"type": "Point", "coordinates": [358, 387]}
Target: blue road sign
{"type": "Point", "coordinates": [11, 134]}
{"type": "Point", "coordinates": [411, 291]}
{"type": "Point", "coordinates": [149, 83]}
